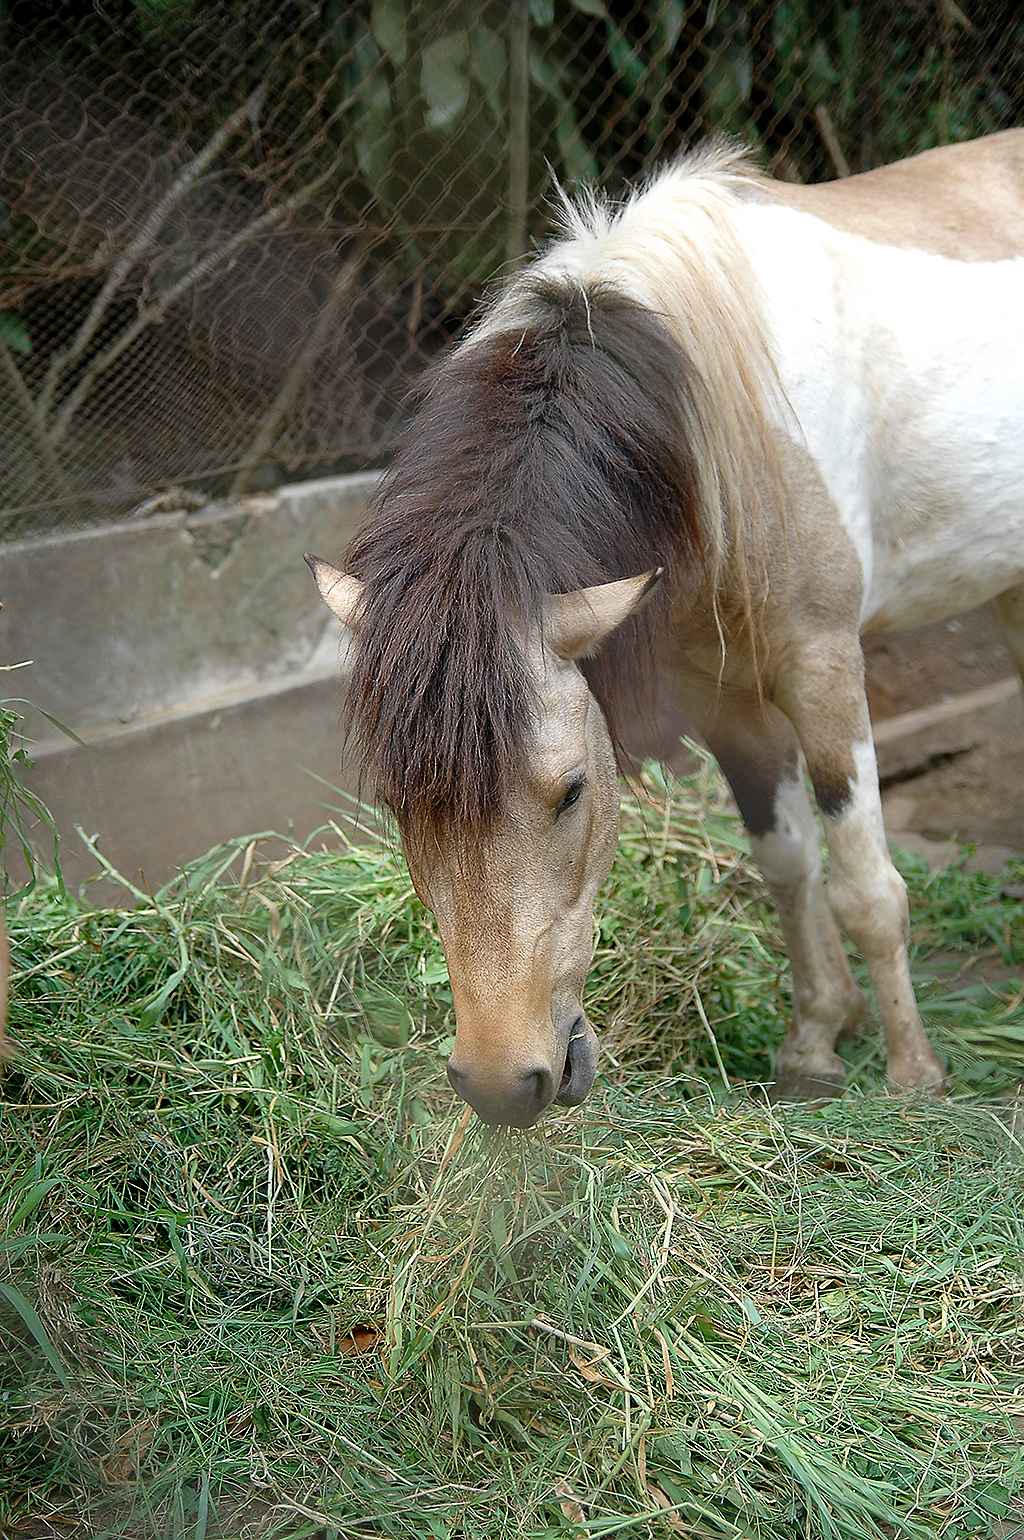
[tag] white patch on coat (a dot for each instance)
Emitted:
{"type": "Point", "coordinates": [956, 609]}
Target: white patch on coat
{"type": "Point", "coordinates": [790, 853]}
{"type": "Point", "coordinates": [865, 889]}
{"type": "Point", "coordinates": [906, 373]}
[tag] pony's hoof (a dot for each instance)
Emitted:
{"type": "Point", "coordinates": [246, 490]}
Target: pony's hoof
{"type": "Point", "coordinates": [921, 1089]}
{"type": "Point", "coordinates": [922, 1075]}
{"type": "Point", "coordinates": [795, 1087]}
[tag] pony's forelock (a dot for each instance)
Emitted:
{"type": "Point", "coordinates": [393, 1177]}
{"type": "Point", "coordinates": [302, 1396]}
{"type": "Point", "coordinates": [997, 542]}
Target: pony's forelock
{"type": "Point", "coordinates": [542, 460]}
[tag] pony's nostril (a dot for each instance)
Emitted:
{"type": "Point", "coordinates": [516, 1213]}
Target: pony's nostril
{"type": "Point", "coordinates": [539, 1082]}
{"type": "Point", "coordinates": [566, 1071]}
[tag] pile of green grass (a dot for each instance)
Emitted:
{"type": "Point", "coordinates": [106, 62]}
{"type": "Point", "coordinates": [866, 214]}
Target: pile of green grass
{"type": "Point", "coordinates": [260, 1271]}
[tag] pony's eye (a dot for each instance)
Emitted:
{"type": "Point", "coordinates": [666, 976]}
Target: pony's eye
{"type": "Point", "coordinates": [572, 795]}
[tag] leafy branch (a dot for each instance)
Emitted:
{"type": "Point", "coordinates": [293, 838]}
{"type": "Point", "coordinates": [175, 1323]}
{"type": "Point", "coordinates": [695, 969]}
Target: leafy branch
{"type": "Point", "coordinates": [305, 358]}
{"type": "Point", "coordinates": [19, 804]}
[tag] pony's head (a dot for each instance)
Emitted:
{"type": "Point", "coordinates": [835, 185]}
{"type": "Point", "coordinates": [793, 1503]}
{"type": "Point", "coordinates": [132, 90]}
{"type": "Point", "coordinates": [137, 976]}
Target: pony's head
{"type": "Point", "coordinates": [514, 900]}
{"type": "Point", "coordinates": [495, 592]}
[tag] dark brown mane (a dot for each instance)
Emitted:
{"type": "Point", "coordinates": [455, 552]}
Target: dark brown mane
{"type": "Point", "coordinates": [543, 460]}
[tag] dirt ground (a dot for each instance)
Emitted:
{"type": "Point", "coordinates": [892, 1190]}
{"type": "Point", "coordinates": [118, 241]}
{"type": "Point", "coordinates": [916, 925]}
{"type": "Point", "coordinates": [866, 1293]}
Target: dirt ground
{"type": "Point", "coordinates": [977, 797]}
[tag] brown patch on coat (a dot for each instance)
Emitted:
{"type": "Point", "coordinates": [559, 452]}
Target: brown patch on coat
{"type": "Point", "coordinates": [816, 662]}
{"type": "Point", "coordinates": [833, 785]}
{"type": "Point", "coordinates": [756, 749]}
{"type": "Point", "coordinates": [964, 201]}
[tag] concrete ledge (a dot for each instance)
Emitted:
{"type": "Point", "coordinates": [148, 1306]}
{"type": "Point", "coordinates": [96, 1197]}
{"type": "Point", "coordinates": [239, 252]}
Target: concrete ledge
{"type": "Point", "coordinates": [158, 794]}
{"type": "Point", "coordinates": [146, 614]}
{"type": "Point", "coordinates": [207, 706]}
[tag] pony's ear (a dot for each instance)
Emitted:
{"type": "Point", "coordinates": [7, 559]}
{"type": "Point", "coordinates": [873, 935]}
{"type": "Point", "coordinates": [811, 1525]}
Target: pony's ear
{"type": "Point", "coordinates": [575, 624]}
{"type": "Point", "coordinates": [341, 593]}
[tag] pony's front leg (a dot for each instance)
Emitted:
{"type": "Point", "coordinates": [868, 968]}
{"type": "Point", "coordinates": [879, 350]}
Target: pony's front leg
{"type": "Point", "coordinates": [757, 750]}
{"type": "Point", "coordinates": [827, 1003]}
{"type": "Point", "coordinates": [867, 893]}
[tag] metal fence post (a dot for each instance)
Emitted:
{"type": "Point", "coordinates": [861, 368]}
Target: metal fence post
{"type": "Point", "coordinates": [518, 128]}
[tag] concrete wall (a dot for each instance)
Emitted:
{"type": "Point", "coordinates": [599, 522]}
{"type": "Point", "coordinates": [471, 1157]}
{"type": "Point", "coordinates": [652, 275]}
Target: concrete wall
{"type": "Point", "coordinates": [192, 655]}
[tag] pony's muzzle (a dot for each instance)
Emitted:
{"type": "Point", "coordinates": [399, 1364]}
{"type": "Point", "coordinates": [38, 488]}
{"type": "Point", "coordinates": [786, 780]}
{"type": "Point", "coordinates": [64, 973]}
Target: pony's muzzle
{"type": "Point", "coordinates": [516, 1104]}
{"type": "Point", "coordinates": [518, 1100]}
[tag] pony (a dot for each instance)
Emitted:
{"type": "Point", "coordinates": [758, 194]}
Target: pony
{"type": "Point", "coordinates": [690, 453]}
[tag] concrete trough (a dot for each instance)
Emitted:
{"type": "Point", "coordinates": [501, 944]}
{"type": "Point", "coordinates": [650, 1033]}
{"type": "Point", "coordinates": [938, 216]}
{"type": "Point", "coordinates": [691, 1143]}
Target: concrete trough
{"type": "Point", "coordinates": [192, 656]}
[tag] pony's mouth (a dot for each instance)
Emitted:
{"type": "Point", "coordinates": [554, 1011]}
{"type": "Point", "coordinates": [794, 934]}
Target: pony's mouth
{"type": "Point", "coordinates": [579, 1064]}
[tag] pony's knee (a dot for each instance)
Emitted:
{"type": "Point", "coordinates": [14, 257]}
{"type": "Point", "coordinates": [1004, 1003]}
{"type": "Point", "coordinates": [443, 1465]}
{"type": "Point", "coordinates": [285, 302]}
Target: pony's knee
{"type": "Point", "coordinates": [871, 907]}
{"type": "Point", "coordinates": [786, 862]}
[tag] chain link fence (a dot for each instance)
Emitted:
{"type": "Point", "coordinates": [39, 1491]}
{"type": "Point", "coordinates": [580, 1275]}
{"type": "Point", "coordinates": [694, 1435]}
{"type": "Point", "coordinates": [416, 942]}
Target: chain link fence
{"type": "Point", "coordinates": [233, 233]}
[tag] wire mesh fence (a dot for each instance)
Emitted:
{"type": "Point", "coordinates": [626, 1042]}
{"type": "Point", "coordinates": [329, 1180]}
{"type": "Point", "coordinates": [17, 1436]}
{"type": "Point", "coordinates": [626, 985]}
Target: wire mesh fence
{"type": "Point", "coordinates": [233, 232]}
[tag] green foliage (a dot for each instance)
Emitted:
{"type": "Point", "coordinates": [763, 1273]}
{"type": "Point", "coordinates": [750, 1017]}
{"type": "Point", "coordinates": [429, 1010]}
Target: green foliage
{"type": "Point", "coordinates": [280, 1268]}
{"type": "Point", "coordinates": [23, 817]}
{"type": "Point", "coordinates": [399, 110]}
{"type": "Point", "coordinates": [425, 110]}
{"type": "Point", "coordinates": [892, 82]}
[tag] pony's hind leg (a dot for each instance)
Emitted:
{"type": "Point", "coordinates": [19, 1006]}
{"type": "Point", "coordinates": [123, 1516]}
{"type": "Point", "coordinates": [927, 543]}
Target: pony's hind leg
{"type": "Point", "coordinates": [756, 748]}
{"type": "Point", "coordinates": [1008, 609]}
